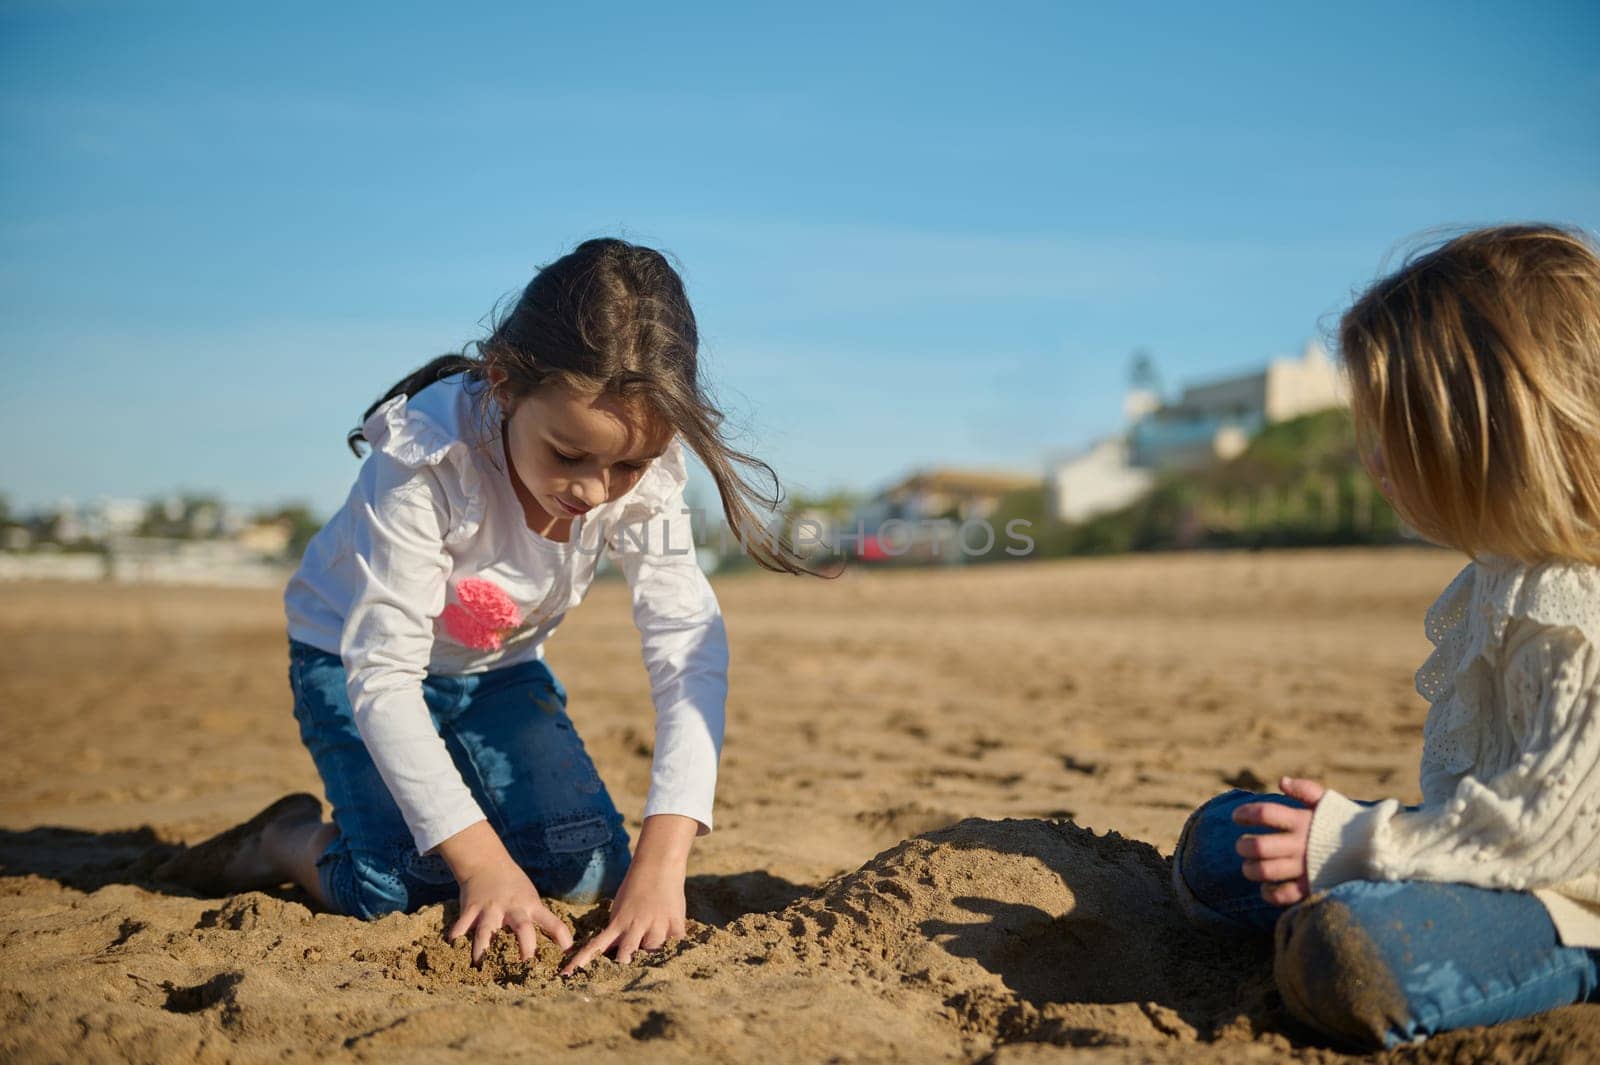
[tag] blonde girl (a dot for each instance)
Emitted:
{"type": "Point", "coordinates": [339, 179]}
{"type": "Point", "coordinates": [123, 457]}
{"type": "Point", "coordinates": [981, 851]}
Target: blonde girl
{"type": "Point", "coordinates": [1475, 378]}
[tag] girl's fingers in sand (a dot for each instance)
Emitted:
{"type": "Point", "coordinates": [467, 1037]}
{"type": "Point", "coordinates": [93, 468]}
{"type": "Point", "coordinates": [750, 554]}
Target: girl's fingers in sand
{"type": "Point", "coordinates": [489, 922]}
{"type": "Point", "coordinates": [1275, 870]}
{"type": "Point", "coordinates": [1272, 815]}
{"type": "Point", "coordinates": [551, 925]}
{"type": "Point", "coordinates": [655, 937]}
{"type": "Point", "coordinates": [629, 943]}
{"type": "Point", "coordinates": [592, 949]}
{"type": "Point", "coordinates": [1286, 893]}
{"type": "Point", "coordinates": [462, 925]}
{"type": "Point", "coordinates": [1269, 845]}
{"type": "Point", "coordinates": [527, 933]}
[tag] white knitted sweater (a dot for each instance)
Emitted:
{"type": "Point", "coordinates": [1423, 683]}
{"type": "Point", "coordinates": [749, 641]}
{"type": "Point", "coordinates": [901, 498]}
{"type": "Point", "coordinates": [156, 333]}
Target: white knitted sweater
{"type": "Point", "coordinates": [1510, 752]}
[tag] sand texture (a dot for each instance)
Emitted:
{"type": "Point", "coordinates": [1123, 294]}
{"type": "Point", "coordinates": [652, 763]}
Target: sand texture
{"type": "Point", "coordinates": [945, 813]}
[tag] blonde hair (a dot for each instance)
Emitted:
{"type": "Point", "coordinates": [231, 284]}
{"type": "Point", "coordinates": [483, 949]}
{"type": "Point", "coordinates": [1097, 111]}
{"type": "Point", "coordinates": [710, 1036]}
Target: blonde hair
{"type": "Point", "coordinates": [1475, 382]}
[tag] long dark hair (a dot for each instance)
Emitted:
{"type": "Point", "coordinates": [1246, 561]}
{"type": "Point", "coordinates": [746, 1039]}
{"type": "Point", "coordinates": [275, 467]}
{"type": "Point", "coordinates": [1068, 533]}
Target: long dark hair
{"type": "Point", "coordinates": [613, 317]}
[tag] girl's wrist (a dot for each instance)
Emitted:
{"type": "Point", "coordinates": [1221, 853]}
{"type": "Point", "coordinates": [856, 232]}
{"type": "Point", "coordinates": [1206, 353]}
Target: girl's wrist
{"type": "Point", "coordinates": [665, 843]}
{"type": "Point", "coordinates": [472, 850]}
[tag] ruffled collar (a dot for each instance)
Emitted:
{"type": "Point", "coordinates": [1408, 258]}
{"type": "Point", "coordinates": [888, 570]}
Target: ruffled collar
{"type": "Point", "coordinates": [440, 427]}
{"type": "Point", "coordinates": [1468, 625]}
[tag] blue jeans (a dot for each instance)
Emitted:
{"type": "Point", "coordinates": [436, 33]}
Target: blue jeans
{"type": "Point", "coordinates": [1376, 964]}
{"type": "Point", "coordinates": [509, 734]}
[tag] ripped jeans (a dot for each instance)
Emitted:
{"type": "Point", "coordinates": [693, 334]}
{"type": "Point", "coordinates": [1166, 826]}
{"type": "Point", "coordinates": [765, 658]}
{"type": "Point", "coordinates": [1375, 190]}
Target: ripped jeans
{"type": "Point", "coordinates": [1377, 964]}
{"type": "Point", "coordinates": [508, 732]}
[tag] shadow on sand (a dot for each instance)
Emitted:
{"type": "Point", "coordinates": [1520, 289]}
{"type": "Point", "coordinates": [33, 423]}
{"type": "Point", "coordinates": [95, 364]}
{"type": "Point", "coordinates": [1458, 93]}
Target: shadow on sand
{"type": "Point", "coordinates": [77, 858]}
{"type": "Point", "coordinates": [86, 861]}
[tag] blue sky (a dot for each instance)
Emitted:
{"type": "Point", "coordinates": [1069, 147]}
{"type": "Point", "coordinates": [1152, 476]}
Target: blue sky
{"type": "Point", "coordinates": [916, 234]}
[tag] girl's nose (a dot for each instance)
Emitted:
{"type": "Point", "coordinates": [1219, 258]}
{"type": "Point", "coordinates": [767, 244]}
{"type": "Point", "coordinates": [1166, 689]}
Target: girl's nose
{"type": "Point", "coordinates": [592, 491]}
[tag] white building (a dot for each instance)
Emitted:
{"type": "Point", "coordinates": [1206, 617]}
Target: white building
{"type": "Point", "coordinates": [1099, 480]}
{"type": "Point", "coordinates": [1210, 422]}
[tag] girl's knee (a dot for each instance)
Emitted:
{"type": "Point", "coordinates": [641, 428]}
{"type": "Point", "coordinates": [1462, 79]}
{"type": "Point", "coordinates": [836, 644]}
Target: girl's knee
{"type": "Point", "coordinates": [373, 884]}
{"type": "Point", "coordinates": [596, 878]}
{"type": "Point", "coordinates": [577, 861]}
{"type": "Point", "coordinates": [1204, 866]}
{"type": "Point", "coordinates": [367, 892]}
{"type": "Point", "coordinates": [1333, 977]}
{"type": "Point", "coordinates": [1197, 827]}
{"type": "Point", "coordinates": [1214, 818]}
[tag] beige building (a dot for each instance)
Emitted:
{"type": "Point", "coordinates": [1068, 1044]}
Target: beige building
{"type": "Point", "coordinates": [1210, 422]}
{"type": "Point", "coordinates": [1215, 420]}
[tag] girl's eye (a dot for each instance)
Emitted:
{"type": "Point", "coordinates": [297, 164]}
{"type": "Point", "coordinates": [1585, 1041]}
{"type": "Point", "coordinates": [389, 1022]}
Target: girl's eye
{"type": "Point", "coordinates": [562, 456]}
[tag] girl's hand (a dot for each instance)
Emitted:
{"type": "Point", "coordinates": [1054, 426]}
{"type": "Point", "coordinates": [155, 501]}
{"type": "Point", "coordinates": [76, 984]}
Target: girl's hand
{"type": "Point", "coordinates": [1277, 859]}
{"type": "Point", "coordinates": [647, 913]}
{"type": "Point", "coordinates": [649, 910]}
{"type": "Point", "coordinates": [496, 893]}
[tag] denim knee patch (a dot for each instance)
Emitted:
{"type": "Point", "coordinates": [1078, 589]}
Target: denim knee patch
{"type": "Point", "coordinates": [571, 837]}
{"type": "Point", "coordinates": [372, 883]}
{"type": "Point", "coordinates": [361, 888]}
{"type": "Point", "coordinates": [428, 868]}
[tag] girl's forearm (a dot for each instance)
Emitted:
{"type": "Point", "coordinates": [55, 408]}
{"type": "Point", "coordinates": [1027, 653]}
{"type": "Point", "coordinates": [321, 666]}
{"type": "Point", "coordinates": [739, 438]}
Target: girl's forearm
{"type": "Point", "coordinates": [665, 842]}
{"type": "Point", "coordinates": [473, 849]}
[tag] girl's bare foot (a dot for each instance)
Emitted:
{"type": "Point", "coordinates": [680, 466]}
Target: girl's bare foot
{"type": "Point", "coordinates": [241, 858]}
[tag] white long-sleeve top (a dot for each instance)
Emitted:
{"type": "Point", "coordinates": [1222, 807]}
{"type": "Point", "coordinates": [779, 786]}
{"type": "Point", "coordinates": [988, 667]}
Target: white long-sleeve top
{"type": "Point", "coordinates": [1511, 751]}
{"type": "Point", "coordinates": [433, 507]}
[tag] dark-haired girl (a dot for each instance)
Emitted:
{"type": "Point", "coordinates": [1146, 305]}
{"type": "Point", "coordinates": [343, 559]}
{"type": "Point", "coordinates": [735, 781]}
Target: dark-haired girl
{"type": "Point", "coordinates": [419, 615]}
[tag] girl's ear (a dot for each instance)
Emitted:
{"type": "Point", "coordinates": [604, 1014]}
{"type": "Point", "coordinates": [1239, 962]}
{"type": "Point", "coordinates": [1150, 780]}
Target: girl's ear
{"type": "Point", "coordinates": [497, 388]}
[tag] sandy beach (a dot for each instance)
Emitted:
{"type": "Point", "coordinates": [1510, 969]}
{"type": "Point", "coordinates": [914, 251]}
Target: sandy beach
{"type": "Point", "coordinates": [946, 807]}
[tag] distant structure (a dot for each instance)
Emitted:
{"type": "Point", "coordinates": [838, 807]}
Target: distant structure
{"type": "Point", "coordinates": [1096, 481]}
{"type": "Point", "coordinates": [927, 508]}
{"type": "Point", "coordinates": [172, 541]}
{"type": "Point", "coordinates": [960, 495]}
{"type": "Point", "coordinates": [1210, 422]}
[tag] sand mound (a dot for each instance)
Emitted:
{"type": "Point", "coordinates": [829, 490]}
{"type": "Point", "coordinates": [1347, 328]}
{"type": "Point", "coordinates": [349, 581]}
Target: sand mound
{"type": "Point", "coordinates": [1032, 930]}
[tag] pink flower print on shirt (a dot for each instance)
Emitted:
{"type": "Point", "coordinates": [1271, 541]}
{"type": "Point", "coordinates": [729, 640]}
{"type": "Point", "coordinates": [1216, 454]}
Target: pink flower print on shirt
{"type": "Point", "coordinates": [489, 603]}
{"type": "Point", "coordinates": [468, 630]}
{"type": "Point", "coordinates": [483, 615]}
